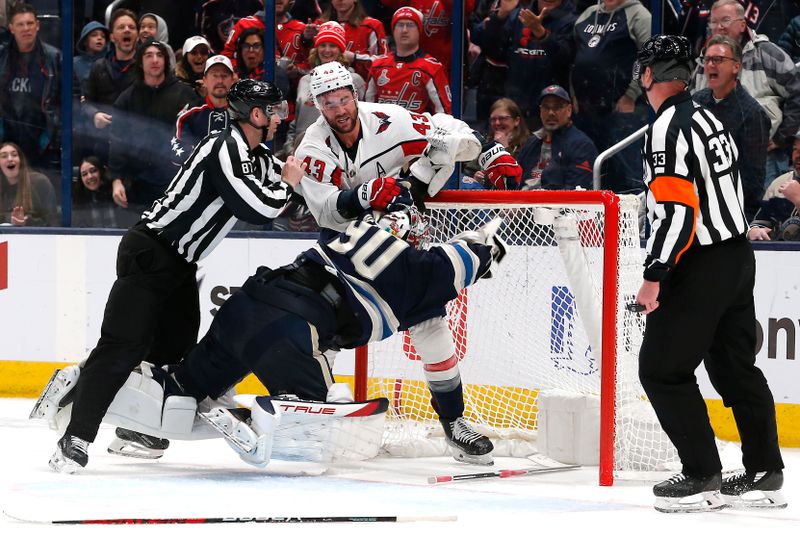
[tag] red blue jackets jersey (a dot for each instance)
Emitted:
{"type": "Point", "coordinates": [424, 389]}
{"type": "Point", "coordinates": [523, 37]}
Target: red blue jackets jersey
{"type": "Point", "coordinates": [417, 82]}
{"type": "Point", "coordinates": [392, 286]}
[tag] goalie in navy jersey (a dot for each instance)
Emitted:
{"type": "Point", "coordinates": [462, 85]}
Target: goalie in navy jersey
{"type": "Point", "coordinates": [360, 286]}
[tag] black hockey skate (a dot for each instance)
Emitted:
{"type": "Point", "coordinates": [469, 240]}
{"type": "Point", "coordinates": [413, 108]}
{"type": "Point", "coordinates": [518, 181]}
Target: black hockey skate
{"type": "Point", "coordinates": [466, 444]}
{"type": "Point", "coordinates": [131, 443]}
{"type": "Point", "coordinates": [71, 455]}
{"type": "Point", "coordinates": [689, 494]}
{"type": "Point", "coordinates": [754, 490]}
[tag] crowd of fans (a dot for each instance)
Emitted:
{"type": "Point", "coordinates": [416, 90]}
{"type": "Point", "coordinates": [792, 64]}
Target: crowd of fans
{"type": "Point", "coordinates": [551, 80]}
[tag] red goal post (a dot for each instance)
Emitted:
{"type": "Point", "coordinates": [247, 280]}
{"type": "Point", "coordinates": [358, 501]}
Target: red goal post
{"type": "Point", "coordinates": [603, 229]}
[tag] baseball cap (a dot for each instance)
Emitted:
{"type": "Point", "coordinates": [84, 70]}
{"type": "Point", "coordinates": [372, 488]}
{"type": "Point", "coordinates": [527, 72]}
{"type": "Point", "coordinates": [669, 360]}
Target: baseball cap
{"type": "Point", "coordinates": [193, 42]}
{"type": "Point", "coordinates": [557, 91]}
{"type": "Point", "coordinates": [218, 60]}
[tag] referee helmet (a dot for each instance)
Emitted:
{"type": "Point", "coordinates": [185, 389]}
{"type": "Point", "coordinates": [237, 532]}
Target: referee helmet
{"type": "Point", "coordinates": [668, 56]}
{"type": "Point", "coordinates": [248, 93]}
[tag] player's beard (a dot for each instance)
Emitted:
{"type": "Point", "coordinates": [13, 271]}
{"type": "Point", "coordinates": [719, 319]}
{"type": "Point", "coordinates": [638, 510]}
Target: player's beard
{"type": "Point", "coordinates": [345, 126]}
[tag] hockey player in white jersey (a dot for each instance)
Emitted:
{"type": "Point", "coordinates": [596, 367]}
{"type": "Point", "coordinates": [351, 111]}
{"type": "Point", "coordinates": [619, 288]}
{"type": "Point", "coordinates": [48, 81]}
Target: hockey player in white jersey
{"type": "Point", "coordinates": [358, 151]}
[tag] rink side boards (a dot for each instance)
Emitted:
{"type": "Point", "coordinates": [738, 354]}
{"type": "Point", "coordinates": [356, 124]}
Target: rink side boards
{"type": "Point", "coordinates": [51, 316]}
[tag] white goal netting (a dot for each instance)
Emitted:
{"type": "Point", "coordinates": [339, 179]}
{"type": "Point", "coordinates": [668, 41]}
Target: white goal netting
{"type": "Point", "coordinates": [537, 325]}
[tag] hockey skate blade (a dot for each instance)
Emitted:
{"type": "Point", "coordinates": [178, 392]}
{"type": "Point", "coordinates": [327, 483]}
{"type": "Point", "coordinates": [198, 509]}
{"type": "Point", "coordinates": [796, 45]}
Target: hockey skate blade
{"type": "Point", "coordinates": [127, 448]}
{"type": "Point", "coordinates": [240, 445]}
{"type": "Point", "coordinates": [757, 499]}
{"type": "Point", "coordinates": [36, 412]}
{"type": "Point", "coordinates": [702, 502]}
{"type": "Point", "coordinates": [482, 460]}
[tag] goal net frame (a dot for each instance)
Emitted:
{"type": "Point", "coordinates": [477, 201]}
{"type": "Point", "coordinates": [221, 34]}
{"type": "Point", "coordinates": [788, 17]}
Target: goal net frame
{"type": "Point", "coordinates": [609, 306]}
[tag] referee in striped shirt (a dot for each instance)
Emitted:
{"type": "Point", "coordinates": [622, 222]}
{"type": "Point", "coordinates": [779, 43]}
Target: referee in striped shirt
{"type": "Point", "coordinates": [153, 310]}
{"type": "Point", "coordinates": [698, 283]}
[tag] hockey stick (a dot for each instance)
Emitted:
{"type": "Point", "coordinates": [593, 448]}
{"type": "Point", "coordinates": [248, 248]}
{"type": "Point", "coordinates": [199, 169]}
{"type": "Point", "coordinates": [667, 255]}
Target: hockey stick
{"type": "Point", "coordinates": [238, 520]}
{"type": "Point", "coordinates": [501, 474]}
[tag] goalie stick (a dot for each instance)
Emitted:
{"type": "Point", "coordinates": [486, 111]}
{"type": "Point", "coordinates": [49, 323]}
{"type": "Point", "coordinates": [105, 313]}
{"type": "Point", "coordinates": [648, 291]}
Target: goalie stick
{"type": "Point", "coordinates": [500, 473]}
{"type": "Point", "coordinates": [236, 520]}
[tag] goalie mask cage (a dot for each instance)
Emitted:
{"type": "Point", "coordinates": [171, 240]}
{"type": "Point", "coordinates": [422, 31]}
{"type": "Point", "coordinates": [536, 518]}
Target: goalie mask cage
{"type": "Point", "coordinates": [574, 261]}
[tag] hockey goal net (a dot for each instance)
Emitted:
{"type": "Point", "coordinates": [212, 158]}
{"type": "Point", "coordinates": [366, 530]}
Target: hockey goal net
{"type": "Point", "coordinates": [552, 317]}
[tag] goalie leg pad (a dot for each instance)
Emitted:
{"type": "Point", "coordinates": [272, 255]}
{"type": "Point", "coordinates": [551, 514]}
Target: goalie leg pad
{"type": "Point", "coordinates": [434, 344]}
{"type": "Point", "coordinates": [328, 432]}
{"type": "Point", "coordinates": [55, 393]}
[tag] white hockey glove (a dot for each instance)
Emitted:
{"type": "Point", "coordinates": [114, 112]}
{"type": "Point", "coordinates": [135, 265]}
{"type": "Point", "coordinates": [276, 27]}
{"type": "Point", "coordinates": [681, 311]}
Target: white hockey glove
{"type": "Point", "coordinates": [445, 148]}
{"type": "Point", "coordinates": [487, 236]}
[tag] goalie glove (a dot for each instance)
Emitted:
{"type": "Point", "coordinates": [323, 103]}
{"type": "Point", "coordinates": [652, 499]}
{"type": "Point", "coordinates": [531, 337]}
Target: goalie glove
{"type": "Point", "coordinates": [500, 167]}
{"type": "Point", "coordinates": [445, 148]}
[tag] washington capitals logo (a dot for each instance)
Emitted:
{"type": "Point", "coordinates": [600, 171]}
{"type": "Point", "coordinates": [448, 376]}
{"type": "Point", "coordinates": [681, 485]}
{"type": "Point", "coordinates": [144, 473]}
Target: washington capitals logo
{"type": "Point", "coordinates": [384, 118]}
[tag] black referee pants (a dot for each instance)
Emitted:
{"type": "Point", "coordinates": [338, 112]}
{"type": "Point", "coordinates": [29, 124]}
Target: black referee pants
{"type": "Point", "coordinates": [707, 314]}
{"type": "Point", "coordinates": [152, 314]}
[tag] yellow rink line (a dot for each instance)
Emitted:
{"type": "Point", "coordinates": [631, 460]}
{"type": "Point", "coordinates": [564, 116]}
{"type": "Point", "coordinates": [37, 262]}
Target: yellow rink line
{"type": "Point", "coordinates": [23, 379]}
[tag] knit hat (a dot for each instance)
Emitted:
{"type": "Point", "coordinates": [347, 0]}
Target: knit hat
{"type": "Point", "coordinates": [408, 13]}
{"type": "Point", "coordinates": [331, 32]}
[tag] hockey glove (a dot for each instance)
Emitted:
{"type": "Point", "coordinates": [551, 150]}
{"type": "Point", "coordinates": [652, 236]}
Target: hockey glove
{"type": "Point", "coordinates": [500, 167]}
{"type": "Point", "coordinates": [383, 194]}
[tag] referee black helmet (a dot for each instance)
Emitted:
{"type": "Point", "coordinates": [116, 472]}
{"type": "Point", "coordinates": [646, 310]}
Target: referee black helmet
{"type": "Point", "coordinates": [668, 56]}
{"type": "Point", "coordinates": [248, 93]}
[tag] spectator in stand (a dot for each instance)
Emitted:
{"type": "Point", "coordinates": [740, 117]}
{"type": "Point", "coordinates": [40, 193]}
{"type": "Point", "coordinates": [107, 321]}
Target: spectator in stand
{"type": "Point", "coordinates": [30, 89]}
{"type": "Point", "coordinates": [151, 25]}
{"type": "Point", "coordinates": [290, 42]}
{"type": "Point", "coordinates": [778, 218]}
{"type": "Point", "coordinates": [768, 74]}
{"type": "Point", "coordinates": [208, 116]}
{"type": "Point", "coordinates": [108, 77]}
{"type": "Point", "coordinates": [216, 18]}
{"type": "Point", "coordinates": [558, 156]}
{"type": "Point", "coordinates": [329, 45]}
{"type": "Point", "coordinates": [143, 126]}
{"type": "Point", "coordinates": [489, 70]}
{"type": "Point", "coordinates": [790, 40]}
{"type": "Point", "coordinates": [739, 112]}
{"type": "Point", "coordinates": [436, 36]}
{"type": "Point", "coordinates": [92, 205]}
{"type": "Point", "coordinates": [250, 54]}
{"type": "Point", "coordinates": [92, 45]}
{"type": "Point", "coordinates": [408, 76]}
{"type": "Point", "coordinates": [506, 126]}
{"type": "Point", "coordinates": [536, 48]}
{"type": "Point", "coordinates": [26, 198]}
{"type": "Point", "coordinates": [606, 39]}
{"type": "Point", "coordinates": [191, 67]}
{"type": "Point", "coordinates": [365, 36]}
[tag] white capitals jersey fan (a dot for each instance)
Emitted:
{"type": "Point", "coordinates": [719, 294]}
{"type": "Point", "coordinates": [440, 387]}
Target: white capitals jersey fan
{"type": "Point", "coordinates": [391, 137]}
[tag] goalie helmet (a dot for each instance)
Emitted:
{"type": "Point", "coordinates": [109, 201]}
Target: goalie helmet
{"type": "Point", "coordinates": [407, 223]}
{"type": "Point", "coordinates": [668, 56]}
{"type": "Point", "coordinates": [248, 93]}
{"type": "Point", "coordinates": [329, 77]}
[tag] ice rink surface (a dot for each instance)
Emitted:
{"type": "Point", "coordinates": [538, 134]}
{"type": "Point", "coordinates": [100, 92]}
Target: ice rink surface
{"type": "Point", "coordinates": [206, 479]}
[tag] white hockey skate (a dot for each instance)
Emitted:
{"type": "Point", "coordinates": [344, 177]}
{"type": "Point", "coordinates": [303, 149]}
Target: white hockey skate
{"type": "Point", "coordinates": [754, 490]}
{"type": "Point", "coordinates": [689, 494]}
{"type": "Point", "coordinates": [53, 397]}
